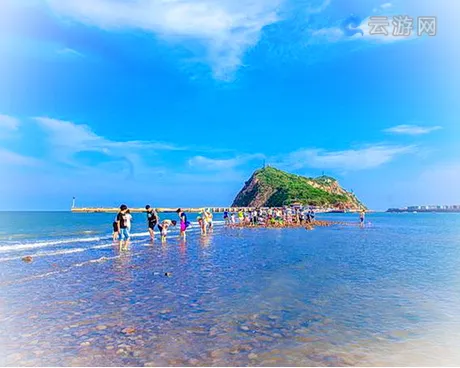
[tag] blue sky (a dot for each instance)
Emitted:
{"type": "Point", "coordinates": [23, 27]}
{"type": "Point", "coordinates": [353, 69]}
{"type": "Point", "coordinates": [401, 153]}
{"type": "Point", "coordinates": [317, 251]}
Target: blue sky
{"type": "Point", "coordinates": [175, 103]}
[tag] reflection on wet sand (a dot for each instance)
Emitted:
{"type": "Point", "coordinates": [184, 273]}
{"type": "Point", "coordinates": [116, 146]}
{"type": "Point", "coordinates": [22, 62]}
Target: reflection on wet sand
{"type": "Point", "coordinates": [205, 241]}
{"type": "Point", "coordinates": [183, 249]}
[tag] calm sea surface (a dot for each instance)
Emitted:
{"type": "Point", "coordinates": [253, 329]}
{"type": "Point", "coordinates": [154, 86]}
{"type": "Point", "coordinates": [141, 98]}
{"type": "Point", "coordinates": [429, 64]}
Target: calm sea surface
{"type": "Point", "coordinates": [386, 294]}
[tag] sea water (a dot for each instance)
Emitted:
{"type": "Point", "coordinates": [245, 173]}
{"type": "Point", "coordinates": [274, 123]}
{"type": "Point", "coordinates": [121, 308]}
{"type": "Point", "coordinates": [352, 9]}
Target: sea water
{"type": "Point", "coordinates": [385, 294]}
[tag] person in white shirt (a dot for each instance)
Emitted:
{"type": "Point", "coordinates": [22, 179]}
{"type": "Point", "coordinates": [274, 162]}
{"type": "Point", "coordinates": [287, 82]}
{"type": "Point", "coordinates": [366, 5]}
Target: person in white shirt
{"type": "Point", "coordinates": [129, 220]}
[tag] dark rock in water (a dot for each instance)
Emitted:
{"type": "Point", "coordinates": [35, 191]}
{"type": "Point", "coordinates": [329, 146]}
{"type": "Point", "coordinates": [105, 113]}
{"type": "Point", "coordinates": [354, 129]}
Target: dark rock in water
{"type": "Point", "coordinates": [265, 338]}
{"type": "Point", "coordinates": [240, 348]}
{"type": "Point", "coordinates": [27, 259]}
{"type": "Point", "coordinates": [168, 274]}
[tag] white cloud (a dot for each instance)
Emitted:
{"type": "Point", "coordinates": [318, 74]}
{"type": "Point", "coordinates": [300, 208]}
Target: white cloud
{"type": "Point", "coordinates": [226, 27]}
{"type": "Point", "coordinates": [10, 158]}
{"type": "Point", "coordinates": [319, 9]}
{"type": "Point", "coordinates": [70, 52]}
{"type": "Point", "coordinates": [205, 163]}
{"type": "Point", "coordinates": [352, 160]}
{"type": "Point", "coordinates": [8, 123]}
{"type": "Point", "coordinates": [367, 33]}
{"type": "Point", "coordinates": [67, 139]}
{"type": "Point", "coordinates": [80, 137]}
{"type": "Point", "coordinates": [347, 160]}
{"type": "Point", "coordinates": [384, 6]}
{"type": "Point", "coordinates": [411, 129]}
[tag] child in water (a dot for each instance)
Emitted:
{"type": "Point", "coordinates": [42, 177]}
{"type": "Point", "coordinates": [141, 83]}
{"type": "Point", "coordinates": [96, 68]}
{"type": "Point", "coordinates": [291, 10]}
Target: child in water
{"type": "Point", "coordinates": [202, 225]}
{"type": "Point", "coordinates": [115, 230]}
{"type": "Point", "coordinates": [163, 227]}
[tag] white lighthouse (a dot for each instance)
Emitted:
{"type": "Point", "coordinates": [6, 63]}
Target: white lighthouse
{"type": "Point", "coordinates": [73, 202]}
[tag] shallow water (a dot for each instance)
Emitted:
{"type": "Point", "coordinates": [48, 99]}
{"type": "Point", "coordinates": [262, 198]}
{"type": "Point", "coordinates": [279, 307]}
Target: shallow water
{"type": "Point", "coordinates": [387, 294]}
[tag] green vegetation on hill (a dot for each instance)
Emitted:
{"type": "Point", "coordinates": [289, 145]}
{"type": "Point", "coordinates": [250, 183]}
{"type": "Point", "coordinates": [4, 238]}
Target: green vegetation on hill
{"type": "Point", "coordinates": [272, 188]}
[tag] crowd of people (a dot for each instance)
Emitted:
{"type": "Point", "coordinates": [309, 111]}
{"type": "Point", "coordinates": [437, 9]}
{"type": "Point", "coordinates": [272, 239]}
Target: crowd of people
{"type": "Point", "coordinates": [270, 217]}
{"type": "Point", "coordinates": [123, 220]}
{"type": "Point", "coordinates": [266, 217]}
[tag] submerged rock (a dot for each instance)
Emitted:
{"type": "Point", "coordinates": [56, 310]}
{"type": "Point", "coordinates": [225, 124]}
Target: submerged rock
{"type": "Point", "coordinates": [128, 330]}
{"type": "Point", "coordinates": [218, 353]}
{"type": "Point", "coordinates": [27, 259]}
{"type": "Point", "coordinates": [14, 357]}
{"type": "Point", "coordinates": [213, 332]}
{"type": "Point", "coordinates": [241, 348]}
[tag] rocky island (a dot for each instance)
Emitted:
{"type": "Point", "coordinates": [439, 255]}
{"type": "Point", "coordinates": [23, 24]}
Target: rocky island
{"type": "Point", "coordinates": [271, 187]}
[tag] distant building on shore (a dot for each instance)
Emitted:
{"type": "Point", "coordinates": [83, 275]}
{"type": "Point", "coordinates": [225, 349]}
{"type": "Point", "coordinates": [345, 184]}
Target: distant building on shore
{"type": "Point", "coordinates": [430, 208]}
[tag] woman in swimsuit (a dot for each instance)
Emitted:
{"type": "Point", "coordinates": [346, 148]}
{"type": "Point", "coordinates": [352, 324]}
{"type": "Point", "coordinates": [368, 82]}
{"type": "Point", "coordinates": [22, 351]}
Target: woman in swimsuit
{"type": "Point", "coordinates": [184, 224]}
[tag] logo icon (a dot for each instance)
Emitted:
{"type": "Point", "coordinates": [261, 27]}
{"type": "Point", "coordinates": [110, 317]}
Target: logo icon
{"type": "Point", "coordinates": [350, 26]}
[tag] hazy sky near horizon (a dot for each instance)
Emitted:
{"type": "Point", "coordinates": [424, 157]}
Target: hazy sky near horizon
{"type": "Point", "coordinates": [176, 103]}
